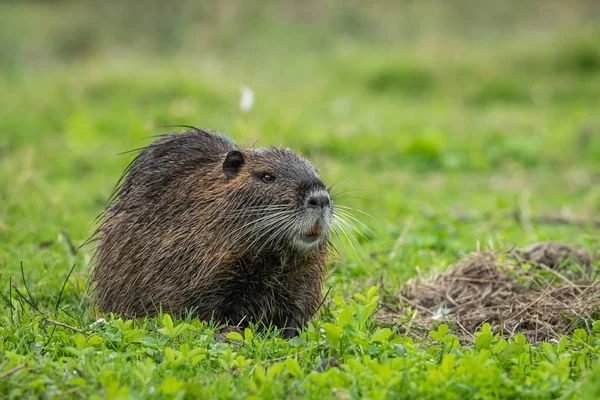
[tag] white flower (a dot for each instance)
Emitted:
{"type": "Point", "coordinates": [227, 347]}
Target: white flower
{"type": "Point", "coordinates": [99, 322]}
{"type": "Point", "coordinates": [440, 313]}
{"type": "Point", "coordinates": [246, 99]}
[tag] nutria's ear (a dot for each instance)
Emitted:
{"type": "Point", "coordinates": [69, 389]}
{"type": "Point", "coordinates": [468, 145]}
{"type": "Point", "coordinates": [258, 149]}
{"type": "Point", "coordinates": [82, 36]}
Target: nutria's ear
{"type": "Point", "coordinates": [232, 164]}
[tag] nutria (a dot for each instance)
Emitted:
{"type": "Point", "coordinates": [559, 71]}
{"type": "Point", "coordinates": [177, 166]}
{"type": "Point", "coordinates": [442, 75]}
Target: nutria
{"type": "Point", "coordinates": [200, 225]}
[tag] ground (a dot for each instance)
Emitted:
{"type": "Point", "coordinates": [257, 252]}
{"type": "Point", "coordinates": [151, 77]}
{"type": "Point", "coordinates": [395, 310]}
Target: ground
{"type": "Point", "coordinates": [449, 129]}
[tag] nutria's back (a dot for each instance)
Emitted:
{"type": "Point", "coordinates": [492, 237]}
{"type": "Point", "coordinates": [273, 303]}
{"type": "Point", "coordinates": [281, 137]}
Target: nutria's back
{"type": "Point", "coordinates": [229, 234]}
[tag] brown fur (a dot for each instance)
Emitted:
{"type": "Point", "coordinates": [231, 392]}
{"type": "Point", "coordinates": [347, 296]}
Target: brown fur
{"type": "Point", "coordinates": [182, 236]}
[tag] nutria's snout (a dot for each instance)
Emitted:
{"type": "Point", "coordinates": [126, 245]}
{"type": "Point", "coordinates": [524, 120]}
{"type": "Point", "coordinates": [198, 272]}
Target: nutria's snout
{"type": "Point", "coordinates": [318, 200]}
{"type": "Point", "coordinates": [316, 220]}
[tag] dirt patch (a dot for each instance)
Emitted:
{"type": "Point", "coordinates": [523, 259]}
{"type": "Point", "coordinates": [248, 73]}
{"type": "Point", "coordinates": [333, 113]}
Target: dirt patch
{"type": "Point", "coordinates": [555, 255]}
{"type": "Point", "coordinates": [542, 291]}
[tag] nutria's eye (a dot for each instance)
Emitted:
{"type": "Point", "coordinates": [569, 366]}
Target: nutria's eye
{"type": "Point", "coordinates": [267, 178]}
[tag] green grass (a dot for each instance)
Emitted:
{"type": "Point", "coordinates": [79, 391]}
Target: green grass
{"type": "Point", "coordinates": [420, 116]}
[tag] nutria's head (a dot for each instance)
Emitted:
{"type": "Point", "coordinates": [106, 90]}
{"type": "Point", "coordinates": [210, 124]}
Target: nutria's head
{"type": "Point", "coordinates": [276, 200]}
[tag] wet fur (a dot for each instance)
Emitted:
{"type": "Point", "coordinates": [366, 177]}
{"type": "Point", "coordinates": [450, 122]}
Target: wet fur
{"type": "Point", "coordinates": [181, 236]}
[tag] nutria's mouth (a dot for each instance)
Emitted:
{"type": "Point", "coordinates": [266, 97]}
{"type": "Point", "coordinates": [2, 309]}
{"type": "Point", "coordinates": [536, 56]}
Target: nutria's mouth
{"type": "Point", "coordinates": [314, 231]}
{"type": "Point", "coordinates": [313, 235]}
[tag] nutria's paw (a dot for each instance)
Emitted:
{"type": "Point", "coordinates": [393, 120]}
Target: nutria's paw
{"type": "Point", "coordinates": [291, 330]}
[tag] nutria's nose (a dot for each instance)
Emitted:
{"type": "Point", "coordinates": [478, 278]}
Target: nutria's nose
{"type": "Point", "coordinates": [318, 200]}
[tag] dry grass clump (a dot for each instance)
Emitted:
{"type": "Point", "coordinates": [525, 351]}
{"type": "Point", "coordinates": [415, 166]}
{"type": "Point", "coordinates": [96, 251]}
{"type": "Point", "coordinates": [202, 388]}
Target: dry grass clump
{"type": "Point", "coordinates": [542, 291]}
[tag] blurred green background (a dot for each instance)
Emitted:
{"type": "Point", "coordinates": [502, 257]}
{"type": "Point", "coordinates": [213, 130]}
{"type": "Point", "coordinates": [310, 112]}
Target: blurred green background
{"type": "Point", "coordinates": [449, 126]}
{"type": "Point", "coordinates": [442, 120]}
